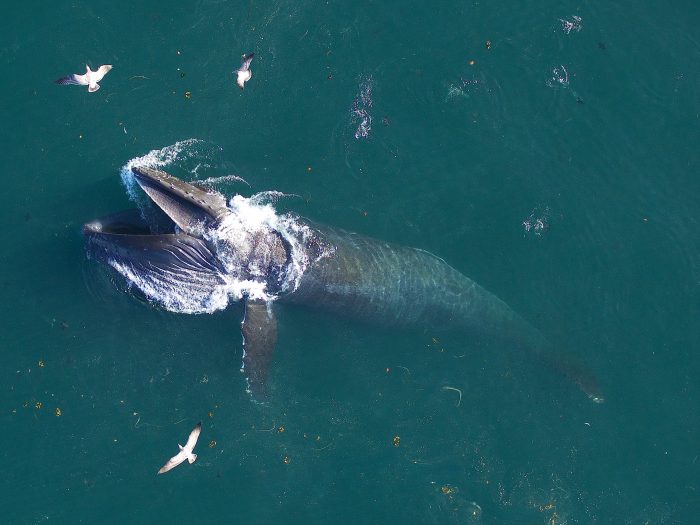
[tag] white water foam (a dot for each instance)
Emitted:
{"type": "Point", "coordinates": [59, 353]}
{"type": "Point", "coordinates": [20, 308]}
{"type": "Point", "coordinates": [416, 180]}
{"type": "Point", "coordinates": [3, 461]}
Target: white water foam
{"type": "Point", "coordinates": [157, 158]}
{"type": "Point", "coordinates": [361, 107]}
{"type": "Point", "coordinates": [271, 197]}
{"type": "Point", "coordinates": [249, 220]}
{"type": "Point", "coordinates": [567, 26]}
{"type": "Point", "coordinates": [212, 182]}
{"type": "Point", "coordinates": [174, 292]}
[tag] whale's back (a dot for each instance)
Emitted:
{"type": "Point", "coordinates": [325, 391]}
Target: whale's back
{"type": "Point", "coordinates": [394, 285]}
{"type": "Point", "coordinates": [388, 284]}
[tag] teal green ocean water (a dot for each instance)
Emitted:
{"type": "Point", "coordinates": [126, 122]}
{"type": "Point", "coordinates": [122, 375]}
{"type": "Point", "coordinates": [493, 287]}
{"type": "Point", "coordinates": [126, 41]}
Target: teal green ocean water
{"type": "Point", "coordinates": [557, 166]}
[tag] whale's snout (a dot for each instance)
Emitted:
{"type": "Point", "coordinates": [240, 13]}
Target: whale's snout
{"type": "Point", "coordinates": [189, 207]}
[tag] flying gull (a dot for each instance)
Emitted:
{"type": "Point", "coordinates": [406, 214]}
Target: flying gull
{"type": "Point", "coordinates": [244, 73]}
{"type": "Point", "coordinates": [90, 78]}
{"type": "Point", "coordinates": [185, 452]}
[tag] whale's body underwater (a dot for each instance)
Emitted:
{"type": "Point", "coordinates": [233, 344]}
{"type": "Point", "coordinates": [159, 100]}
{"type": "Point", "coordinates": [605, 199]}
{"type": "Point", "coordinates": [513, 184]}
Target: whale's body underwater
{"type": "Point", "coordinates": [208, 254]}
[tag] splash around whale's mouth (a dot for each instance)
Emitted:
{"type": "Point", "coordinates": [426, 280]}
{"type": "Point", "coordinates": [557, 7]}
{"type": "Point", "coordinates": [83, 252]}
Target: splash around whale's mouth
{"type": "Point", "coordinates": [168, 257]}
{"type": "Point", "coordinates": [192, 252]}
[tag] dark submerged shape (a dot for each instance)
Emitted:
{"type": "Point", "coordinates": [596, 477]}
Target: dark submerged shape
{"type": "Point", "coordinates": [346, 273]}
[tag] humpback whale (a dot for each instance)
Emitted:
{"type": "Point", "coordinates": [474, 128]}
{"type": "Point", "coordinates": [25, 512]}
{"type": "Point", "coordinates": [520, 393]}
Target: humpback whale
{"type": "Point", "coordinates": [204, 251]}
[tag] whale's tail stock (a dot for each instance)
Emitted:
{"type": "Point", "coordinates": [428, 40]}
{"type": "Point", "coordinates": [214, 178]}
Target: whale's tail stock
{"type": "Point", "coordinates": [513, 329]}
{"type": "Point", "coordinates": [503, 323]}
{"type": "Point", "coordinates": [571, 367]}
{"type": "Point", "coordinates": [580, 374]}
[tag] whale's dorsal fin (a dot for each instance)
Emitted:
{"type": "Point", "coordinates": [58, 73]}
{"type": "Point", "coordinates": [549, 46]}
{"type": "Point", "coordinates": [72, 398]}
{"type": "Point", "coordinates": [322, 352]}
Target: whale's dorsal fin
{"type": "Point", "coordinates": [259, 328]}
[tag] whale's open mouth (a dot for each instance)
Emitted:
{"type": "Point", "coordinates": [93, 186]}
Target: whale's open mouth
{"type": "Point", "coordinates": [174, 231]}
{"type": "Point", "coordinates": [121, 239]}
{"type": "Point", "coordinates": [191, 252]}
{"type": "Point", "coordinates": [167, 258]}
{"type": "Point", "coordinates": [131, 222]}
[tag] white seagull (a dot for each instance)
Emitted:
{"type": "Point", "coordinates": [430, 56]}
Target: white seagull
{"type": "Point", "coordinates": [90, 78]}
{"type": "Point", "coordinates": [185, 452]}
{"type": "Point", "coordinates": [244, 73]}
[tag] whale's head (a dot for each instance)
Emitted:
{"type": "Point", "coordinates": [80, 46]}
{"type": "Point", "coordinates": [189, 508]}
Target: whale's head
{"type": "Point", "coordinates": [194, 253]}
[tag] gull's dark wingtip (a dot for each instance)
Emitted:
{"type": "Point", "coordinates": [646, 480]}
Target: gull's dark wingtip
{"type": "Point", "coordinates": [68, 80]}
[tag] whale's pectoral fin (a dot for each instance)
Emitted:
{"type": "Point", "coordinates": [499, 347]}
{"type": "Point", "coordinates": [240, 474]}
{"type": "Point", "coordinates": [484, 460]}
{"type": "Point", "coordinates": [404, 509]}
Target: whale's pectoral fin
{"type": "Point", "coordinates": [259, 329]}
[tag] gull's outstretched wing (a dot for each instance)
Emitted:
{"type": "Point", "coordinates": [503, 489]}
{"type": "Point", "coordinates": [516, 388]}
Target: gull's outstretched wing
{"type": "Point", "coordinates": [101, 72]}
{"type": "Point", "coordinates": [77, 80]}
{"type": "Point", "coordinates": [173, 462]}
{"type": "Point", "coordinates": [194, 436]}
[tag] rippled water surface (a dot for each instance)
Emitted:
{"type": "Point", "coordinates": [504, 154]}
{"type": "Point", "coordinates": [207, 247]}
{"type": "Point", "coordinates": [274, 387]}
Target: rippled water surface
{"type": "Point", "coordinates": [549, 152]}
